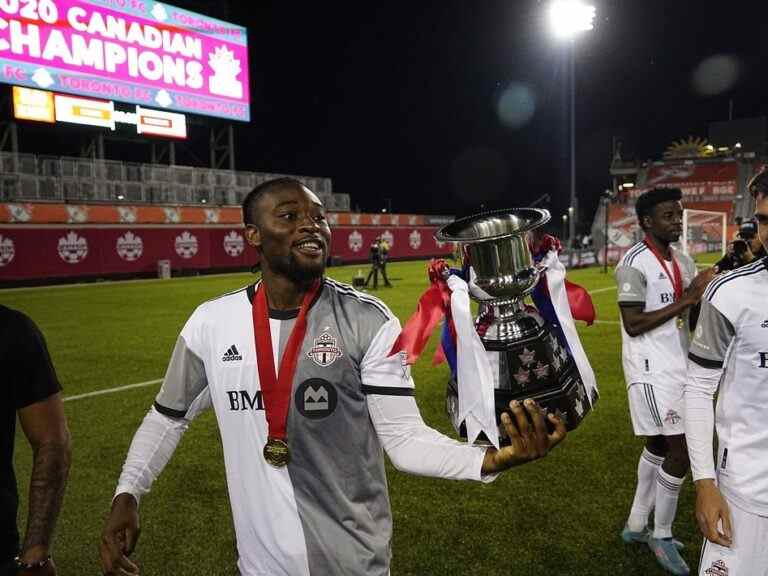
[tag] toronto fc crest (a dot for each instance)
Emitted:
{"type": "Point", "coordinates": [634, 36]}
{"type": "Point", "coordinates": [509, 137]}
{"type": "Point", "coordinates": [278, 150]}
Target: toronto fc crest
{"type": "Point", "coordinates": [325, 352]}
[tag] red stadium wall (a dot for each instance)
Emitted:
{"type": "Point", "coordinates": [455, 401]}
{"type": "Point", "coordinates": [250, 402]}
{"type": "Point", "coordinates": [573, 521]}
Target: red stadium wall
{"type": "Point", "coordinates": [28, 253]}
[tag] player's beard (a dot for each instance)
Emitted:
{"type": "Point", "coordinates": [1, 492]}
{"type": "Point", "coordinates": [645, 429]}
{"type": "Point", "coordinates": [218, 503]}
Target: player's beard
{"type": "Point", "coordinates": [302, 274]}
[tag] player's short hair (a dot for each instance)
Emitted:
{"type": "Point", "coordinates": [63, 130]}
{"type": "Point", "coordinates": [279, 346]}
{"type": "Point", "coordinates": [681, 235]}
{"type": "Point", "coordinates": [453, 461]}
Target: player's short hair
{"type": "Point", "coordinates": [249, 203]}
{"type": "Point", "coordinates": [758, 184]}
{"type": "Point", "coordinates": [647, 200]}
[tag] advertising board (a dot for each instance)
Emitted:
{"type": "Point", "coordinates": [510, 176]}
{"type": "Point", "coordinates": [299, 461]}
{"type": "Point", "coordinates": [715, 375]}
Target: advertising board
{"type": "Point", "coordinates": [147, 53]}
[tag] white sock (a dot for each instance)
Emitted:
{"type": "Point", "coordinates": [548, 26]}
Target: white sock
{"type": "Point", "coordinates": [645, 493]}
{"type": "Point", "coordinates": [667, 491]}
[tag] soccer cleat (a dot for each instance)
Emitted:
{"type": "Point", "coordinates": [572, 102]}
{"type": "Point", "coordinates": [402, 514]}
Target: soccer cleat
{"type": "Point", "coordinates": [643, 536]}
{"type": "Point", "coordinates": [668, 556]}
{"type": "Point", "coordinates": [630, 536]}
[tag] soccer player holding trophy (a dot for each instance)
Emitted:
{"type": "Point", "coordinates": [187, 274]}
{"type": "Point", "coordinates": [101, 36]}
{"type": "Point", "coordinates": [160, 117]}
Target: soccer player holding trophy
{"type": "Point", "coordinates": [658, 286]}
{"type": "Point", "coordinates": [309, 390]}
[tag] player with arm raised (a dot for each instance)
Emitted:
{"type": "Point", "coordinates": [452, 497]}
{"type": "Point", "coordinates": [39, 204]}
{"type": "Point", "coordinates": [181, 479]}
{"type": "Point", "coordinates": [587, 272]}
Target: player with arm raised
{"type": "Point", "coordinates": [658, 286]}
{"type": "Point", "coordinates": [303, 443]}
{"type": "Point", "coordinates": [730, 352]}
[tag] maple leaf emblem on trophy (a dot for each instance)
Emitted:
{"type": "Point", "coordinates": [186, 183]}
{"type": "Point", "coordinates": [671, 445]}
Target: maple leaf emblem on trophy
{"type": "Point", "coordinates": [226, 67]}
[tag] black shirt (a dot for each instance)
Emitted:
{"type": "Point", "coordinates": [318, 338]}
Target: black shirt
{"type": "Point", "coordinates": [27, 377]}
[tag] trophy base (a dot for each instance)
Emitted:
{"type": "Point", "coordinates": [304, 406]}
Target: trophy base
{"type": "Point", "coordinates": [568, 402]}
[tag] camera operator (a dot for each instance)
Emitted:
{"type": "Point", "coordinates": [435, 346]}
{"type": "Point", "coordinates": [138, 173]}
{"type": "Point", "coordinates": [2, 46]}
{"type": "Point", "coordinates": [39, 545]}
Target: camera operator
{"type": "Point", "coordinates": [744, 249]}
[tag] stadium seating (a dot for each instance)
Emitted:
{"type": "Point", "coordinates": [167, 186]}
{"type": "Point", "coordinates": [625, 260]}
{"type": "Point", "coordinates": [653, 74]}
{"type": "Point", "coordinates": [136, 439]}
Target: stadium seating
{"type": "Point", "coordinates": [32, 178]}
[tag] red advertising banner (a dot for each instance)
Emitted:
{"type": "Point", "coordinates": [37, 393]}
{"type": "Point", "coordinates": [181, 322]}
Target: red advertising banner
{"type": "Point", "coordinates": [353, 244]}
{"type": "Point", "coordinates": [61, 252]}
{"type": "Point", "coordinates": [704, 181]}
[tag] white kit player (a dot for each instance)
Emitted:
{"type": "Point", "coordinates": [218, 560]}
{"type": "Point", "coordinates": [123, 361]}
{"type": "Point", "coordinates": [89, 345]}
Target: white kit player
{"type": "Point", "coordinates": [308, 395]}
{"type": "Point", "coordinates": [658, 286]}
{"type": "Point", "coordinates": [730, 351]}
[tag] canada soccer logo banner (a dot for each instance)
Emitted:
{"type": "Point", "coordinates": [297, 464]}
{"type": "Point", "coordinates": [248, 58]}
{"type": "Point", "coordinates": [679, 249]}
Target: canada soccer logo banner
{"type": "Point", "coordinates": [130, 247]}
{"type": "Point", "coordinates": [234, 244]}
{"type": "Point", "coordinates": [186, 245]}
{"type": "Point", "coordinates": [388, 237]}
{"type": "Point", "coordinates": [414, 240]}
{"type": "Point", "coordinates": [73, 249]}
{"type": "Point", "coordinates": [7, 251]}
{"type": "Point", "coordinates": [355, 241]}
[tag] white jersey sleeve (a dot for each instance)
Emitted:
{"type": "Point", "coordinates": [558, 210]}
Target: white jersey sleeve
{"type": "Point", "coordinates": [714, 334]}
{"type": "Point", "coordinates": [183, 395]}
{"type": "Point", "coordinates": [411, 445]}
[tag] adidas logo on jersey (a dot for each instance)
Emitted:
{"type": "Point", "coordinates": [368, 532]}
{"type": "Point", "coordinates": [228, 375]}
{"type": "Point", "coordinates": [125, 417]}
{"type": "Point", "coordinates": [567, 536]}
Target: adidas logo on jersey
{"type": "Point", "coordinates": [231, 354]}
{"type": "Point", "coordinates": [662, 276]}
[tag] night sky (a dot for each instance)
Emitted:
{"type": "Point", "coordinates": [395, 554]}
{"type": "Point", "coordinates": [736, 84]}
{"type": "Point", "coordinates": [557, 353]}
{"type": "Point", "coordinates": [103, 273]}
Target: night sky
{"type": "Point", "coordinates": [401, 100]}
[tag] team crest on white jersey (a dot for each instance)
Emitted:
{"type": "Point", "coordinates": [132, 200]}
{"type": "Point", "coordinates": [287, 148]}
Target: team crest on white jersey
{"type": "Point", "coordinates": [234, 244]}
{"type": "Point", "coordinates": [186, 244]}
{"type": "Point", "coordinates": [718, 568]}
{"type": "Point", "coordinates": [325, 352]}
{"type": "Point", "coordinates": [73, 248]}
{"type": "Point", "coordinates": [130, 247]}
{"type": "Point", "coordinates": [672, 417]}
{"type": "Point", "coordinates": [414, 239]}
{"type": "Point", "coordinates": [7, 250]}
{"type": "Point", "coordinates": [355, 241]}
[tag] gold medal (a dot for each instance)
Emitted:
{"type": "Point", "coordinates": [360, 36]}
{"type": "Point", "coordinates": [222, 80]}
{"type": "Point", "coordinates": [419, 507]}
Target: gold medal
{"type": "Point", "coordinates": [277, 453]}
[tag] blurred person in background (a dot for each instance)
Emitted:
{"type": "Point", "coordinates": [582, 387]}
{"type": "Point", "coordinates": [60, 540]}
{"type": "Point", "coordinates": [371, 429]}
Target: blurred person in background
{"type": "Point", "coordinates": [658, 287]}
{"type": "Point", "coordinates": [384, 256]}
{"type": "Point", "coordinates": [32, 391]}
{"type": "Point", "coordinates": [375, 257]}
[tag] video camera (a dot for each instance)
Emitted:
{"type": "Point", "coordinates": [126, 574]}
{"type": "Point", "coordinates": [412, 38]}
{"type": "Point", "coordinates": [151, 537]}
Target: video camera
{"type": "Point", "coordinates": [738, 254]}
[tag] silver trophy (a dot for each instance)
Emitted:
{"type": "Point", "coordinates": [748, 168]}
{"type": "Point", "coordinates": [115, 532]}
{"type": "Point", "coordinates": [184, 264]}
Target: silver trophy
{"type": "Point", "coordinates": [532, 361]}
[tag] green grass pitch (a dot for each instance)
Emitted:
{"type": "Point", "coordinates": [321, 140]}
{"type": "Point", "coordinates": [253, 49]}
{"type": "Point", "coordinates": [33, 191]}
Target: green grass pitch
{"type": "Point", "coordinates": [561, 515]}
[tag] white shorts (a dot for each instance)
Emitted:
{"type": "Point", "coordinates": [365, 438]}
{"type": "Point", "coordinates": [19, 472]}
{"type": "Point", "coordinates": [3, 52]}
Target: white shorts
{"type": "Point", "coordinates": [656, 410]}
{"type": "Point", "coordinates": [747, 556]}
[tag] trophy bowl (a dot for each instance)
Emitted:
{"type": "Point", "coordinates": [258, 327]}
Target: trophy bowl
{"type": "Point", "coordinates": [529, 358]}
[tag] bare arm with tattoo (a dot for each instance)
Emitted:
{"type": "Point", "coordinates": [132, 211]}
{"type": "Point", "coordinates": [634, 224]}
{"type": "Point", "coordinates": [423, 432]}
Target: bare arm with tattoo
{"type": "Point", "coordinates": [46, 430]}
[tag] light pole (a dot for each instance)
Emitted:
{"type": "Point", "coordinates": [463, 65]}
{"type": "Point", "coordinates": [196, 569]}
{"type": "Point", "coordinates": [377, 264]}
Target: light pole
{"type": "Point", "coordinates": [567, 19]}
{"type": "Point", "coordinates": [565, 226]}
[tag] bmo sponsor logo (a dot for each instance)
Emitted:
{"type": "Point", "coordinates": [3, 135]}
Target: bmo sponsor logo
{"type": "Point", "coordinates": [234, 244]}
{"type": "Point", "coordinates": [186, 245]}
{"type": "Point", "coordinates": [130, 247]}
{"type": "Point", "coordinates": [7, 251]}
{"type": "Point", "coordinates": [72, 248]}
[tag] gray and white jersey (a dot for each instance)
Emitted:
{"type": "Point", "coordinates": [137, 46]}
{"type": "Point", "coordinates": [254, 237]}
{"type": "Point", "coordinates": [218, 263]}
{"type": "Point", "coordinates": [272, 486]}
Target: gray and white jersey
{"type": "Point", "coordinates": [658, 356]}
{"type": "Point", "coordinates": [328, 511]}
{"type": "Point", "coordinates": [732, 333]}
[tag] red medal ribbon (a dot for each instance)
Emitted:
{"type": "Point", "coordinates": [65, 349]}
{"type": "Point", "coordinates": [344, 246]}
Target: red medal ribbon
{"type": "Point", "coordinates": [677, 278]}
{"type": "Point", "coordinates": [276, 390]}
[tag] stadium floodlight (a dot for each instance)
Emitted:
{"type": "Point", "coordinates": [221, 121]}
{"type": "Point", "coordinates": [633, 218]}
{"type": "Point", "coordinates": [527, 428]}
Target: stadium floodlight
{"type": "Point", "coordinates": [569, 17]}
